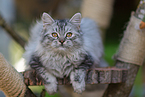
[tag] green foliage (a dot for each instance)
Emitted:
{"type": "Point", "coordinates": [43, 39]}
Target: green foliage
{"type": "Point", "coordinates": [138, 86]}
{"type": "Point", "coordinates": [110, 50]}
{"type": "Point", "coordinates": [55, 95]}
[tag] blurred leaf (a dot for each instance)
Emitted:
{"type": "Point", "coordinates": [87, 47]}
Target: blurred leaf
{"type": "Point", "coordinates": [55, 95]}
{"type": "Point", "coordinates": [110, 49]}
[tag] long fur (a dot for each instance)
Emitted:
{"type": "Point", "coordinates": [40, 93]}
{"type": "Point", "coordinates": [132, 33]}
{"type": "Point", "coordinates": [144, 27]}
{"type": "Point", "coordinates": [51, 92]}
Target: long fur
{"type": "Point", "coordinates": [92, 39]}
{"type": "Point", "coordinates": [77, 54]}
{"type": "Point", "coordinates": [91, 36]}
{"type": "Point", "coordinates": [35, 32]}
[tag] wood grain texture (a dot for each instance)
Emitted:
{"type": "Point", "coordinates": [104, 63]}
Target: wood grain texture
{"type": "Point", "coordinates": [95, 76]}
{"type": "Point", "coordinates": [123, 89]}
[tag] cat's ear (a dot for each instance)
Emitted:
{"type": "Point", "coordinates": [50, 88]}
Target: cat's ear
{"type": "Point", "coordinates": [76, 19]}
{"type": "Point", "coordinates": [47, 19]}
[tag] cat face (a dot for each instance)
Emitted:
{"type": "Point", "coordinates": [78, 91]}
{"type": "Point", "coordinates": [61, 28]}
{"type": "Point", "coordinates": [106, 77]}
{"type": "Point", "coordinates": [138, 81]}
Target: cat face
{"type": "Point", "coordinates": [62, 35]}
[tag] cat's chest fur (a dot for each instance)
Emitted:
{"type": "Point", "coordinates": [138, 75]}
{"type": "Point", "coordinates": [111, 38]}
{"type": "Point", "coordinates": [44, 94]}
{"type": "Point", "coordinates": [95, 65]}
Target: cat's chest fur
{"type": "Point", "coordinates": [60, 64]}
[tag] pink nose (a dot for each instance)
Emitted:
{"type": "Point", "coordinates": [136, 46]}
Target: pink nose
{"type": "Point", "coordinates": [61, 41]}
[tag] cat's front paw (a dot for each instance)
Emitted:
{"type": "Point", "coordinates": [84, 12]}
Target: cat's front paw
{"type": "Point", "coordinates": [78, 82]}
{"type": "Point", "coordinates": [77, 78]}
{"type": "Point", "coordinates": [51, 88]}
{"type": "Point", "coordinates": [79, 87]}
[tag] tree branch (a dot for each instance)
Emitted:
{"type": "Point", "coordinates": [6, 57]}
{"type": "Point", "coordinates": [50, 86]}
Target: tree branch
{"type": "Point", "coordinates": [12, 33]}
{"type": "Point", "coordinates": [123, 89]}
{"type": "Point", "coordinates": [130, 54]}
{"type": "Point", "coordinates": [95, 76]}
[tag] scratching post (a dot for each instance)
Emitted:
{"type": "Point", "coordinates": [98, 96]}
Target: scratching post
{"type": "Point", "coordinates": [11, 82]}
{"type": "Point", "coordinates": [132, 47]}
{"type": "Point", "coordinates": [98, 10]}
{"type": "Point", "coordinates": [130, 55]}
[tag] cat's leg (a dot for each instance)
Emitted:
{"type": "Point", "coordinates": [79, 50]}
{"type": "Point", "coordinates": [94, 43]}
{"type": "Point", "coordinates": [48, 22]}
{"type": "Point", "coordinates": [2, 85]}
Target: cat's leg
{"type": "Point", "coordinates": [78, 75]}
{"type": "Point", "coordinates": [77, 78]}
{"type": "Point", "coordinates": [50, 81]}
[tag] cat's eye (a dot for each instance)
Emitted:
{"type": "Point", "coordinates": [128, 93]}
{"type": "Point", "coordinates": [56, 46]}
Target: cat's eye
{"type": "Point", "coordinates": [54, 34]}
{"type": "Point", "coordinates": [69, 34]}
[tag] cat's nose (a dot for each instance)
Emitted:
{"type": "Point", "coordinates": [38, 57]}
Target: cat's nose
{"type": "Point", "coordinates": [61, 41]}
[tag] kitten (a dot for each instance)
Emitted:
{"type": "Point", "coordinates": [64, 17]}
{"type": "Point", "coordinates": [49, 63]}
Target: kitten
{"type": "Point", "coordinates": [59, 48]}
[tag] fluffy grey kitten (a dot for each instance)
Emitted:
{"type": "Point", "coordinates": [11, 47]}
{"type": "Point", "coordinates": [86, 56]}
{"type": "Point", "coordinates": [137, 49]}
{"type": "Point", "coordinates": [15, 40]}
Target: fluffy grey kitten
{"type": "Point", "coordinates": [59, 48]}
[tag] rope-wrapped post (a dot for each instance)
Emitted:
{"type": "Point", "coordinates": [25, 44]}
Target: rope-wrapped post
{"type": "Point", "coordinates": [11, 82]}
{"type": "Point", "coordinates": [98, 10]}
{"type": "Point", "coordinates": [130, 55]}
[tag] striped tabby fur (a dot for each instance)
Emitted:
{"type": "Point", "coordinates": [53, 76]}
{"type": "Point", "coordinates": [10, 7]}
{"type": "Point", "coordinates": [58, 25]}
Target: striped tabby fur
{"type": "Point", "coordinates": [59, 48]}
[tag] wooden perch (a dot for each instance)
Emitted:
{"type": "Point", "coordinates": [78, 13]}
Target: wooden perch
{"type": "Point", "coordinates": [95, 76]}
{"type": "Point", "coordinates": [123, 89]}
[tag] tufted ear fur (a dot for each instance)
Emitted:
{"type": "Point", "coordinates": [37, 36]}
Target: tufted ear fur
{"type": "Point", "coordinates": [47, 19]}
{"type": "Point", "coordinates": [76, 19]}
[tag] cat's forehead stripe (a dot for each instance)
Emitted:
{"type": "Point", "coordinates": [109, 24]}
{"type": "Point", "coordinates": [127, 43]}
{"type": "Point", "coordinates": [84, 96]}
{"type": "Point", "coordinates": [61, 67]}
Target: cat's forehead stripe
{"type": "Point", "coordinates": [61, 23]}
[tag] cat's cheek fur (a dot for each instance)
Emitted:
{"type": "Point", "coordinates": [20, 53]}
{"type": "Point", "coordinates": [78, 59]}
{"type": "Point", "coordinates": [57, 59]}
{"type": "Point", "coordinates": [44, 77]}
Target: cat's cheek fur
{"type": "Point", "coordinates": [77, 43]}
{"type": "Point", "coordinates": [55, 44]}
{"type": "Point", "coordinates": [68, 43]}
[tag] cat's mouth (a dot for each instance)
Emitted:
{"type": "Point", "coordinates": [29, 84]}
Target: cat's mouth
{"type": "Point", "coordinates": [61, 44]}
{"type": "Point", "coordinates": [61, 48]}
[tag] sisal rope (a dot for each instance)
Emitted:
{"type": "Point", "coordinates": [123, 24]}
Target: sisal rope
{"type": "Point", "coordinates": [99, 10]}
{"type": "Point", "coordinates": [11, 82]}
{"type": "Point", "coordinates": [132, 47]}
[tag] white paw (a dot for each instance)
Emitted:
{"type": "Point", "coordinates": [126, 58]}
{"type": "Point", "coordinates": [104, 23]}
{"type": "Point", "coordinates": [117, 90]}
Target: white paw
{"type": "Point", "coordinates": [51, 88]}
{"type": "Point", "coordinates": [79, 87]}
{"type": "Point", "coordinates": [77, 78]}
